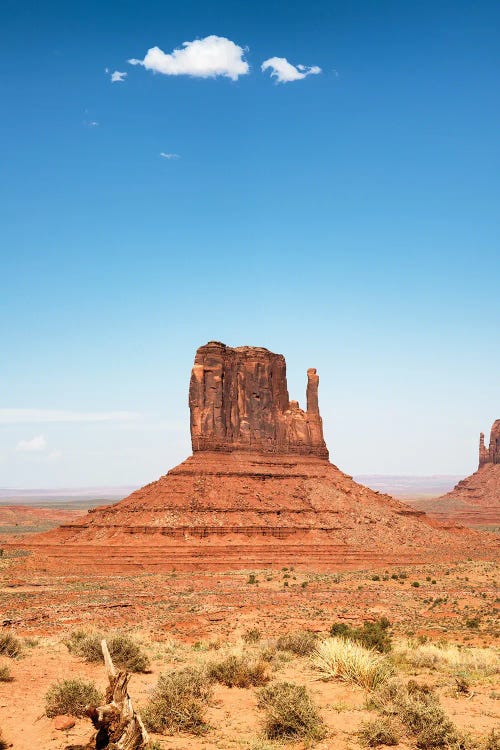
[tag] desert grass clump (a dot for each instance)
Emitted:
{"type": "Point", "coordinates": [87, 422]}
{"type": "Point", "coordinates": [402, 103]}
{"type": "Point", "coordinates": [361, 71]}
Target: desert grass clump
{"type": "Point", "coordinates": [10, 645]}
{"type": "Point", "coordinates": [125, 652]}
{"type": "Point", "coordinates": [349, 661]}
{"type": "Point", "coordinates": [301, 643]}
{"type": "Point", "coordinates": [71, 697]}
{"type": "Point", "coordinates": [178, 703]}
{"type": "Point", "coordinates": [5, 674]}
{"type": "Point", "coordinates": [290, 713]}
{"type": "Point", "coordinates": [379, 731]}
{"type": "Point", "coordinates": [252, 635]}
{"type": "Point", "coordinates": [457, 659]}
{"type": "Point", "coordinates": [240, 671]}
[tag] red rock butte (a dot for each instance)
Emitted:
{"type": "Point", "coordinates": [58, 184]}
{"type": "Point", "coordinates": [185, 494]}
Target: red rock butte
{"type": "Point", "coordinates": [258, 491]}
{"type": "Point", "coordinates": [475, 500]}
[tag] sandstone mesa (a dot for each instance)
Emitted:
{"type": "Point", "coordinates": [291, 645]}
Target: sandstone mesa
{"type": "Point", "coordinates": [259, 490]}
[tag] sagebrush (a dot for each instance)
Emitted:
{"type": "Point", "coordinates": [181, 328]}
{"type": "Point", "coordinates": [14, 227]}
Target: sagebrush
{"type": "Point", "coordinates": [178, 702]}
{"type": "Point", "coordinates": [290, 713]}
{"type": "Point", "coordinates": [71, 697]}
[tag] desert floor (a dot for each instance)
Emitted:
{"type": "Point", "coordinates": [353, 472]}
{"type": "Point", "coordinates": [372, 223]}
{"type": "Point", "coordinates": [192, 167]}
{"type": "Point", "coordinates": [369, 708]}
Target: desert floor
{"type": "Point", "coordinates": [184, 619]}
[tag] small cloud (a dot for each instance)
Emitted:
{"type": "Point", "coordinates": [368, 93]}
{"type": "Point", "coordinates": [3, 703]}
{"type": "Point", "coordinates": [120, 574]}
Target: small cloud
{"type": "Point", "coordinates": [54, 455]}
{"type": "Point", "coordinates": [169, 156]}
{"type": "Point", "coordinates": [284, 72]}
{"type": "Point", "coordinates": [118, 76]}
{"type": "Point", "coordinates": [46, 416]}
{"type": "Point", "coordinates": [37, 443]}
{"type": "Point", "coordinates": [202, 58]}
{"type": "Point", "coordinates": [91, 123]}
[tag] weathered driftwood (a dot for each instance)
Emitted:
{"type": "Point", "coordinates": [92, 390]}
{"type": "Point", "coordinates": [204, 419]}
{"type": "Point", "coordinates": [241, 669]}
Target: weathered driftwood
{"type": "Point", "coordinates": [118, 725]}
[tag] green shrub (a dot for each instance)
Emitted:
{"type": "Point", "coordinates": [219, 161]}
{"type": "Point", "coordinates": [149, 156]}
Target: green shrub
{"type": "Point", "coordinates": [71, 697]}
{"type": "Point", "coordinates": [124, 651]}
{"type": "Point", "coordinates": [5, 674]}
{"type": "Point", "coordinates": [10, 645]}
{"type": "Point", "coordinates": [415, 584]}
{"type": "Point", "coordinates": [301, 643]}
{"type": "Point", "coordinates": [372, 635]}
{"type": "Point", "coordinates": [379, 731]}
{"type": "Point", "coordinates": [252, 578]}
{"type": "Point", "coordinates": [290, 713]}
{"type": "Point", "coordinates": [238, 671]}
{"type": "Point", "coordinates": [473, 623]}
{"type": "Point", "coordinates": [178, 703]}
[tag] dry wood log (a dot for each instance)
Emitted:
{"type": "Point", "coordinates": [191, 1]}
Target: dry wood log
{"type": "Point", "coordinates": [118, 726]}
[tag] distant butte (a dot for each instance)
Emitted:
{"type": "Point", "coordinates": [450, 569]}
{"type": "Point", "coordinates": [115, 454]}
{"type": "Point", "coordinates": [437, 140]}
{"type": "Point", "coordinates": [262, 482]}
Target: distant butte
{"type": "Point", "coordinates": [475, 500]}
{"type": "Point", "coordinates": [259, 490]}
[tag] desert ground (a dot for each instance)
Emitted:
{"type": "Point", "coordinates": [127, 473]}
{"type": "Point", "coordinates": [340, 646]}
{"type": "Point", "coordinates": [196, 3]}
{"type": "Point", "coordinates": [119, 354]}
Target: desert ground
{"type": "Point", "coordinates": [443, 635]}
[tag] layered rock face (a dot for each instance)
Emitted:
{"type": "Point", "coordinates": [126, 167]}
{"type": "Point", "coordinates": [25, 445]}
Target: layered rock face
{"type": "Point", "coordinates": [238, 399]}
{"type": "Point", "coordinates": [258, 491]}
{"type": "Point", "coordinates": [475, 500]}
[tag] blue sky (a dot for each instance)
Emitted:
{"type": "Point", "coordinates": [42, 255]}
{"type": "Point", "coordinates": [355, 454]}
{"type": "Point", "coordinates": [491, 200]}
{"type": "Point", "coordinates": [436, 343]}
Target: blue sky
{"type": "Point", "coordinates": [348, 220]}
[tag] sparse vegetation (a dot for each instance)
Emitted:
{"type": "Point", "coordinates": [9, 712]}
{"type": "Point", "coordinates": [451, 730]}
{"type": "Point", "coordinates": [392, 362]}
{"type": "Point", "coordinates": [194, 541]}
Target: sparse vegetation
{"type": "Point", "coordinates": [178, 703]}
{"type": "Point", "coordinates": [379, 731]}
{"type": "Point", "coordinates": [125, 652]}
{"type": "Point", "coordinates": [71, 697]}
{"type": "Point", "coordinates": [5, 674]}
{"type": "Point", "coordinates": [346, 660]}
{"type": "Point", "coordinates": [290, 713]}
{"type": "Point", "coordinates": [483, 661]}
{"type": "Point", "coordinates": [238, 671]}
{"type": "Point", "coordinates": [10, 645]}
{"type": "Point", "coordinates": [419, 710]}
{"type": "Point", "coordinates": [301, 643]}
{"type": "Point", "coordinates": [253, 635]}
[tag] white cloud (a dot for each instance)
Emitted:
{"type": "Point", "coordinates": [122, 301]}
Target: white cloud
{"type": "Point", "coordinates": [118, 76]}
{"type": "Point", "coordinates": [284, 72]}
{"type": "Point", "coordinates": [54, 455]}
{"type": "Point", "coordinates": [202, 58]}
{"type": "Point", "coordinates": [42, 416]}
{"type": "Point", "coordinates": [169, 156]}
{"type": "Point", "coordinates": [38, 443]}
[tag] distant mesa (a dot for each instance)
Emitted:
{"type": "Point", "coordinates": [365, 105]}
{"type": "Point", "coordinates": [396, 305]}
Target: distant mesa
{"type": "Point", "coordinates": [259, 490]}
{"type": "Point", "coordinates": [475, 500]}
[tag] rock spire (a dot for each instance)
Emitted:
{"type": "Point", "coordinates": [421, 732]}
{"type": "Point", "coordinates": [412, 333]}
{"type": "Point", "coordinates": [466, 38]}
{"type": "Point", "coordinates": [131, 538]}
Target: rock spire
{"type": "Point", "coordinates": [490, 455]}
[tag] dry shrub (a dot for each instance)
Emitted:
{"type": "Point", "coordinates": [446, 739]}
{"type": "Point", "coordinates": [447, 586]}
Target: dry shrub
{"type": "Point", "coordinates": [10, 645]}
{"type": "Point", "coordinates": [484, 661]}
{"type": "Point", "coordinates": [178, 703]}
{"type": "Point", "coordinates": [5, 674]}
{"type": "Point", "coordinates": [379, 731]}
{"type": "Point", "coordinates": [238, 671]}
{"type": "Point", "coordinates": [3, 744]}
{"type": "Point", "coordinates": [347, 660]}
{"type": "Point", "coordinates": [71, 697]}
{"type": "Point", "coordinates": [419, 710]}
{"type": "Point", "coordinates": [492, 741]}
{"type": "Point", "coordinates": [290, 712]}
{"type": "Point", "coordinates": [252, 635]}
{"type": "Point", "coordinates": [301, 643]}
{"type": "Point", "coordinates": [125, 652]}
